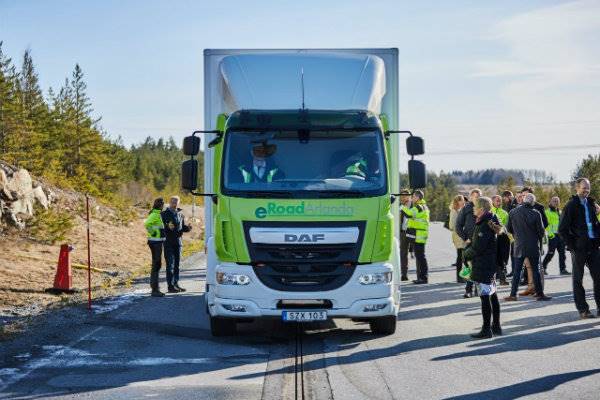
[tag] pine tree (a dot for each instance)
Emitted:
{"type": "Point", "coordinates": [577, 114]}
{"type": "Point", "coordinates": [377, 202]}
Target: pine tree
{"type": "Point", "coordinates": [35, 118]}
{"type": "Point", "coordinates": [8, 107]}
{"type": "Point", "coordinates": [58, 138]}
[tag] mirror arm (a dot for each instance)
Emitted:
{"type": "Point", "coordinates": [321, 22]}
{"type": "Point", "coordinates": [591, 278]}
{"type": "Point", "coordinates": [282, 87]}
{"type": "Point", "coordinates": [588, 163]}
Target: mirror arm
{"type": "Point", "coordinates": [215, 140]}
{"type": "Point", "coordinates": [214, 197]}
{"type": "Point", "coordinates": [387, 133]}
{"type": "Point", "coordinates": [213, 131]}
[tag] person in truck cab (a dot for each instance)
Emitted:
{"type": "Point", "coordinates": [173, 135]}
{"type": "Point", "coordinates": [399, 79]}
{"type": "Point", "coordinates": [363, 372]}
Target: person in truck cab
{"type": "Point", "coordinates": [261, 169]}
{"type": "Point", "coordinates": [362, 165]}
{"type": "Point", "coordinates": [357, 168]}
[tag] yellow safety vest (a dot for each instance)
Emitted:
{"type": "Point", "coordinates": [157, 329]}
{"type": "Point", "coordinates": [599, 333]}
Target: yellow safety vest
{"type": "Point", "coordinates": [419, 222]}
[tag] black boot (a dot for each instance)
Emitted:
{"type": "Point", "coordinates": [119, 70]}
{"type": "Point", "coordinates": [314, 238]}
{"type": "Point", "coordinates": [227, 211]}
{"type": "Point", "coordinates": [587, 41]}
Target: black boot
{"type": "Point", "coordinates": [496, 329]}
{"type": "Point", "coordinates": [564, 272]}
{"type": "Point", "coordinates": [172, 289]}
{"type": "Point", "coordinates": [484, 333]}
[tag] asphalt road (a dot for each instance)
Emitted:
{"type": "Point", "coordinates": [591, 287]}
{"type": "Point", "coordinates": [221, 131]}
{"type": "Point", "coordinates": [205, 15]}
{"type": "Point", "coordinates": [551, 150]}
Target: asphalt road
{"type": "Point", "coordinates": [141, 347]}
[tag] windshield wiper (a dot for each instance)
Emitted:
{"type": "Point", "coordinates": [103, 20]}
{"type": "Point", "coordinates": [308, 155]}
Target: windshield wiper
{"type": "Point", "coordinates": [340, 193]}
{"type": "Point", "coordinates": [283, 194]}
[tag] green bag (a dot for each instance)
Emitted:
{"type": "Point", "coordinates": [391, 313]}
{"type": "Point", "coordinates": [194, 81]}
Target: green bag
{"type": "Point", "coordinates": [465, 272]}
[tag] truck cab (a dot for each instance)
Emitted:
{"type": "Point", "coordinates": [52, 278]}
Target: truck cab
{"type": "Point", "coordinates": [302, 215]}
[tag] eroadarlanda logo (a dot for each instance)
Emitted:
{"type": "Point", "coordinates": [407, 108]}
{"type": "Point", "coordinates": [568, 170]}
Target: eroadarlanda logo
{"type": "Point", "coordinates": [302, 209]}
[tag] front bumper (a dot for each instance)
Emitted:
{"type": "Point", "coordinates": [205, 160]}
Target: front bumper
{"type": "Point", "coordinates": [352, 300]}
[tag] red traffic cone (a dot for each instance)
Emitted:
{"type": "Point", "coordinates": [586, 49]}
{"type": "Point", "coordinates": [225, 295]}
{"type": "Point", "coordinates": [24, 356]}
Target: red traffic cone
{"type": "Point", "coordinates": [63, 281]}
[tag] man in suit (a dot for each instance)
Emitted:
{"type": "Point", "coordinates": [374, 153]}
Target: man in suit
{"type": "Point", "coordinates": [580, 229]}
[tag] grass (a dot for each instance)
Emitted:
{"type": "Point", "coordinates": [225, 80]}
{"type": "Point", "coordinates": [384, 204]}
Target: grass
{"type": "Point", "coordinates": [192, 246]}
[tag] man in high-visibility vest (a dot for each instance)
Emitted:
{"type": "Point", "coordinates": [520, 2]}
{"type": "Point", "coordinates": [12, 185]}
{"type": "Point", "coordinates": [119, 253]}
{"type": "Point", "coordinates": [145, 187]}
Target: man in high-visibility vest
{"type": "Point", "coordinates": [555, 242]}
{"type": "Point", "coordinates": [261, 170]}
{"type": "Point", "coordinates": [156, 237]}
{"type": "Point", "coordinates": [418, 231]}
{"type": "Point", "coordinates": [503, 241]}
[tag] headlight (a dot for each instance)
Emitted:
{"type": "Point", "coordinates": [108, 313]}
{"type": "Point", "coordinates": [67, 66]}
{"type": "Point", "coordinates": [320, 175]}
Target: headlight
{"type": "Point", "coordinates": [376, 278]}
{"type": "Point", "coordinates": [226, 278]}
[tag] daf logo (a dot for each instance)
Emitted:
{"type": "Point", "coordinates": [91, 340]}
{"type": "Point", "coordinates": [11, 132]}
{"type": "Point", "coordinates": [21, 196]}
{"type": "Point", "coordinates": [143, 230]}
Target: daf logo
{"type": "Point", "coordinates": [304, 238]}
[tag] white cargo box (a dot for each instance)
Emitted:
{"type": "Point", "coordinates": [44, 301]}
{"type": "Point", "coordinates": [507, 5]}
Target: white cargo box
{"type": "Point", "coordinates": [334, 79]}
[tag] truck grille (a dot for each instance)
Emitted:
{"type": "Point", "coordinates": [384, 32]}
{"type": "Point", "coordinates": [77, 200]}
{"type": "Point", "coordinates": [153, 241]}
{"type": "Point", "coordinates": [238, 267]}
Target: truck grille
{"type": "Point", "coordinates": [304, 277]}
{"type": "Point", "coordinates": [304, 268]}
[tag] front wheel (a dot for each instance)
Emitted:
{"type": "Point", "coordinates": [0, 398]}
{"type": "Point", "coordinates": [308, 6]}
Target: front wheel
{"type": "Point", "coordinates": [383, 325]}
{"type": "Point", "coordinates": [222, 326]}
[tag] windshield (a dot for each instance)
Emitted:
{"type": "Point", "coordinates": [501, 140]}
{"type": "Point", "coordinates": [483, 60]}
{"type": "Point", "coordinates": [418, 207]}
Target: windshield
{"type": "Point", "coordinates": [304, 164]}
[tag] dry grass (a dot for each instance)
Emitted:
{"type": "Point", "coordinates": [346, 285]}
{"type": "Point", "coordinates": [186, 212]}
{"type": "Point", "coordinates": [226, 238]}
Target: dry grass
{"type": "Point", "coordinates": [118, 251]}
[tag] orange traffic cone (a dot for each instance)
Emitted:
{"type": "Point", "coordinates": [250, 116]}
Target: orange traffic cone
{"type": "Point", "coordinates": [63, 281]}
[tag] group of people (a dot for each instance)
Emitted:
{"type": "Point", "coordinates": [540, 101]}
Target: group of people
{"type": "Point", "coordinates": [488, 232]}
{"type": "Point", "coordinates": [165, 228]}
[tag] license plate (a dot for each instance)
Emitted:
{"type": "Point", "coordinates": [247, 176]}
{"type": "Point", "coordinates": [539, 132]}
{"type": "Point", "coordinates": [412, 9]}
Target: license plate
{"type": "Point", "coordinates": [303, 316]}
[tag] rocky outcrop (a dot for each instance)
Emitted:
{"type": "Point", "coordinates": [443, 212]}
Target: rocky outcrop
{"type": "Point", "coordinates": [18, 195]}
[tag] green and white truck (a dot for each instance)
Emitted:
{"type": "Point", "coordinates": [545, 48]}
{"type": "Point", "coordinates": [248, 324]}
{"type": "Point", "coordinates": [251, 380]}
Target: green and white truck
{"type": "Point", "coordinates": [301, 168]}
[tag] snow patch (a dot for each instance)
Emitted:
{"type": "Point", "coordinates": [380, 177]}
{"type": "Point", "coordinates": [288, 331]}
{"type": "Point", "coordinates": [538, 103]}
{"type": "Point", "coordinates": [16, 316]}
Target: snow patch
{"type": "Point", "coordinates": [8, 371]}
{"type": "Point", "coordinates": [149, 361]}
{"type": "Point", "coordinates": [119, 301]}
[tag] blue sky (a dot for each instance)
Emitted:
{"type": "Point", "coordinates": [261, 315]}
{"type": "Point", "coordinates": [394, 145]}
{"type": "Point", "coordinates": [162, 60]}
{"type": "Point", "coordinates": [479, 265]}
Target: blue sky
{"type": "Point", "coordinates": [474, 75]}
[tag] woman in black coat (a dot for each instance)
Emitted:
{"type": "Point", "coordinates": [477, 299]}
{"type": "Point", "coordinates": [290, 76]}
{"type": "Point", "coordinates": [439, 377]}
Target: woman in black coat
{"type": "Point", "coordinates": [481, 255]}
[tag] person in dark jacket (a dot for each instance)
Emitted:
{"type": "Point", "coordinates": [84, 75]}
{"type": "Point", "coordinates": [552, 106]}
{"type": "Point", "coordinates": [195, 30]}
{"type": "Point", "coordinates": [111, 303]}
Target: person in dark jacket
{"type": "Point", "coordinates": [508, 203]}
{"type": "Point", "coordinates": [580, 229]}
{"type": "Point", "coordinates": [482, 256]}
{"type": "Point", "coordinates": [405, 205]}
{"type": "Point", "coordinates": [156, 237]}
{"type": "Point", "coordinates": [174, 228]}
{"type": "Point", "coordinates": [525, 223]}
{"type": "Point", "coordinates": [465, 226]}
{"type": "Point", "coordinates": [527, 279]}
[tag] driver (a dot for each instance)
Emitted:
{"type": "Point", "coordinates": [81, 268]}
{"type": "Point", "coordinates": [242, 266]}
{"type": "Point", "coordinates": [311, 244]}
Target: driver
{"type": "Point", "coordinates": [261, 169]}
{"type": "Point", "coordinates": [360, 166]}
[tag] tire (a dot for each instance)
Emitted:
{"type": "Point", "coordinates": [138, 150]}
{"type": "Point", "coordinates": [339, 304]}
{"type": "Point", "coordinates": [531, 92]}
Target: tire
{"type": "Point", "coordinates": [206, 300]}
{"type": "Point", "coordinates": [222, 326]}
{"type": "Point", "coordinates": [383, 325]}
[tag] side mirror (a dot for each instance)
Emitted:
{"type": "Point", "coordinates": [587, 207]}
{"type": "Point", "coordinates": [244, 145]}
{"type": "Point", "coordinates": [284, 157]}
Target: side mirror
{"type": "Point", "coordinates": [415, 146]}
{"type": "Point", "coordinates": [191, 145]}
{"type": "Point", "coordinates": [417, 175]}
{"type": "Point", "coordinates": [189, 175]}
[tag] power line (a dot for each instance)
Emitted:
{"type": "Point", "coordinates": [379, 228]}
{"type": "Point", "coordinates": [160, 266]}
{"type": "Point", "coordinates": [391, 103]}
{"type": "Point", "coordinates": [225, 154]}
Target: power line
{"type": "Point", "coordinates": [512, 150]}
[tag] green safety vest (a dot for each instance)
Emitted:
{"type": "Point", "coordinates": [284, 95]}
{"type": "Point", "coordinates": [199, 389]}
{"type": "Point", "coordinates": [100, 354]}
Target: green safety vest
{"type": "Point", "coordinates": [357, 168]}
{"type": "Point", "coordinates": [419, 222]}
{"type": "Point", "coordinates": [553, 221]}
{"type": "Point", "coordinates": [154, 224]}
{"type": "Point", "coordinates": [249, 177]}
{"type": "Point", "coordinates": [501, 214]}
